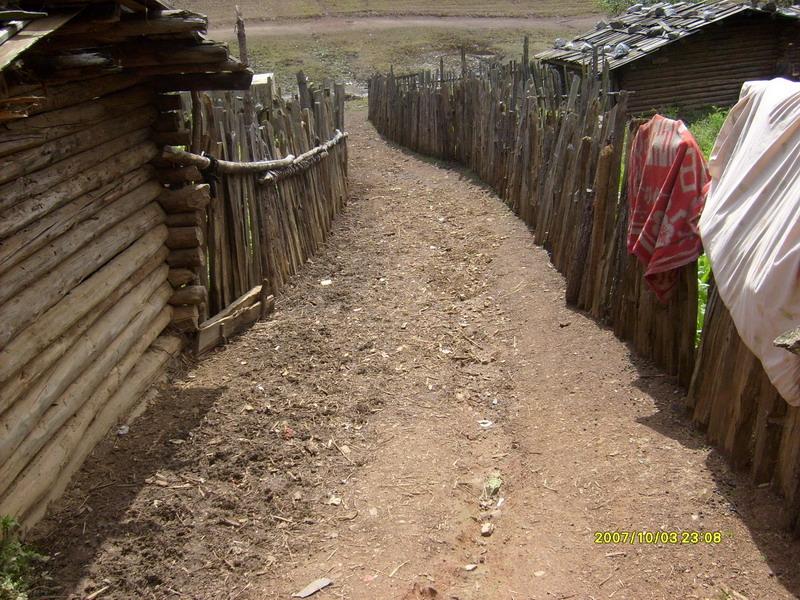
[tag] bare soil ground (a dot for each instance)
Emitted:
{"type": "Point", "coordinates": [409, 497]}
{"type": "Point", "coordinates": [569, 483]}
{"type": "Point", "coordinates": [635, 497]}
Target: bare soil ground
{"type": "Point", "coordinates": [361, 434]}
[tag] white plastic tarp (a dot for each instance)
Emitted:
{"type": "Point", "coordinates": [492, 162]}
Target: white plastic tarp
{"type": "Point", "coordinates": [750, 226]}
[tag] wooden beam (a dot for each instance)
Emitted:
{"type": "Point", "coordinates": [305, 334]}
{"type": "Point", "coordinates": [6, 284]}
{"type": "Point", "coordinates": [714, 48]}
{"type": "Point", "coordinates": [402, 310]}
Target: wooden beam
{"type": "Point", "coordinates": [60, 96]}
{"type": "Point", "coordinates": [46, 230]}
{"type": "Point", "coordinates": [42, 128]}
{"type": "Point", "coordinates": [188, 257]}
{"type": "Point", "coordinates": [184, 237]}
{"type": "Point", "coordinates": [185, 199]}
{"type": "Point", "coordinates": [48, 259]}
{"type": "Point", "coordinates": [35, 162]}
{"type": "Point", "coordinates": [109, 402]}
{"type": "Point", "coordinates": [205, 82]}
{"type": "Point", "coordinates": [167, 22]}
{"type": "Point", "coordinates": [26, 38]}
{"type": "Point", "coordinates": [135, 54]}
{"type": "Point", "coordinates": [185, 318]}
{"type": "Point", "coordinates": [25, 15]}
{"type": "Point", "coordinates": [81, 300]}
{"type": "Point", "coordinates": [190, 294]}
{"type": "Point", "coordinates": [26, 306]}
{"type": "Point", "coordinates": [178, 277]}
{"type": "Point", "coordinates": [229, 65]}
{"type": "Point", "coordinates": [241, 313]}
{"type": "Point", "coordinates": [181, 157]}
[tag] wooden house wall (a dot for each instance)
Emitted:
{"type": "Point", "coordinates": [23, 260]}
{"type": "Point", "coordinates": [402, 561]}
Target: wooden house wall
{"type": "Point", "coordinates": [84, 295]}
{"type": "Point", "coordinates": [709, 68]}
{"type": "Point", "coordinates": [789, 60]}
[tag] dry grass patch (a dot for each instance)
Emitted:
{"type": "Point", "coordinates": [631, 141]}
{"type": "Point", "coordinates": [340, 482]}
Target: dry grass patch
{"type": "Point", "coordinates": [353, 56]}
{"type": "Point", "coordinates": [221, 13]}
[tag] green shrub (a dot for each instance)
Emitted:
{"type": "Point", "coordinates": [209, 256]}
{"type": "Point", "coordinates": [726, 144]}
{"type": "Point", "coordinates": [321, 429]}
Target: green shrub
{"type": "Point", "coordinates": [703, 278]}
{"type": "Point", "coordinates": [705, 127]}
{"type": "Point", "coordinates": [16, 562]}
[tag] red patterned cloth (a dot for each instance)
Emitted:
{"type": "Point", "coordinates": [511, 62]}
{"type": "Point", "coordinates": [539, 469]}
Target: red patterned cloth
{"type": "Point", "coordinates": [667, 175]}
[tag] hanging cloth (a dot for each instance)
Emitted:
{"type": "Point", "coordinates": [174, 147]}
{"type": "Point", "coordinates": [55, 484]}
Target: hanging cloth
{"type": "Point", "coordinates": [667, 175]}
{"type": "Point", "coordinates": [751, 224]}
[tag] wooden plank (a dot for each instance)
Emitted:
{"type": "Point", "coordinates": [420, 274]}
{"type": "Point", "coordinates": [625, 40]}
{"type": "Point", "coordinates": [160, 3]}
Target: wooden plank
{"type": "Point", "coordinates": [33, 33]}
{"type": "Point", "coordinates": [241, 313]}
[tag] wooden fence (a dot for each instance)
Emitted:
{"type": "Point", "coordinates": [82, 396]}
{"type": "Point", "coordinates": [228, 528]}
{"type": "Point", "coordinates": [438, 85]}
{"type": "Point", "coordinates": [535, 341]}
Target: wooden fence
{"type": "Point", "coordinates": [553, 151]}
{"type": "Point", "coordinates": [557, 162]}
{"type": "Point", "coordinates": [237, 238]}
{"type": "Point", "coordinates": [732, 398]}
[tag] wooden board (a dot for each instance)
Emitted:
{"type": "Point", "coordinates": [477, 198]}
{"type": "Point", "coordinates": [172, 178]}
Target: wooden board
{"type": "Point", "coordinates": [29, 36]}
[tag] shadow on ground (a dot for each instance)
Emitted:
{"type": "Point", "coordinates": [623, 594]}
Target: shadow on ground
{"type": "Point", "coordinates": [93, 513]}
{"type": "Point", "coordinates": [759, 508]}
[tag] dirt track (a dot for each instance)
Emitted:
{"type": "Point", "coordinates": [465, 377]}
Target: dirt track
{"type": "Point", "coordinates": [348, 436]}
{"type": "Point", "coordinates": [344, 24]}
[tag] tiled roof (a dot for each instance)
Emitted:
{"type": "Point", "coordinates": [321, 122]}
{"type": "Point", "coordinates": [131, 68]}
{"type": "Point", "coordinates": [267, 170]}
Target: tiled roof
{"type": "Point", "coordinates": [642, 30]}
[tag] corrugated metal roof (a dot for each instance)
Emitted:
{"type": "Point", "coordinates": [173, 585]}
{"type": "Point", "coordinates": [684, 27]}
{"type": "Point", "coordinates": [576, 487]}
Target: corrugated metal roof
{"type": "Point", "coordinates": [644, 29]}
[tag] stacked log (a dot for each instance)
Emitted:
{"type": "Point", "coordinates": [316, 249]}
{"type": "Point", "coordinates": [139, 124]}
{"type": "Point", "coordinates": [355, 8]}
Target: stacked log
{"type": "Point", "coordinates": [99, 53]}
{"type": "Point", "coordinates": [184, 199]}
{"type": "Point", "coordinates": [92, 269]}
{"type": "Point", "coordinates": [83, 281]}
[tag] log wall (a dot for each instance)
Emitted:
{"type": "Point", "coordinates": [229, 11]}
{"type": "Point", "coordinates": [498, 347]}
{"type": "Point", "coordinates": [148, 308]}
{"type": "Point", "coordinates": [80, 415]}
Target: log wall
{"type": "Point", "coordinates": [84, 290]}
{"type": "Point", "coordinates": [113, 256]}
{"type": "Point", "coordinates": [709, 67]}
{"type": "Point", "coordinates": [557, 161]}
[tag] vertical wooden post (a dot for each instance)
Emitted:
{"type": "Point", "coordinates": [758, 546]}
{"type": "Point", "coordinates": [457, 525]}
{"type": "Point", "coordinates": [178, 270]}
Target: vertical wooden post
{"type": "Point", "coordinates": [197, 126]}
{"type": "Point", "coordinates": [241, 36]}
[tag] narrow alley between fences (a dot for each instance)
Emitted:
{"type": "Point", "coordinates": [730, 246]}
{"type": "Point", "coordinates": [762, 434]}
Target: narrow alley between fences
{"type": "Point", "coordinates": [422, 417]}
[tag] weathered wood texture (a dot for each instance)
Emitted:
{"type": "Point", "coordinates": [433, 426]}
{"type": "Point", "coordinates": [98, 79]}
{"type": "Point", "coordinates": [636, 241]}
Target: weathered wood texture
{"type": "Point", "coordinates": [557, 161]}
{"type": "Point", "coordinates": [84, 289]}
{"type": "Point", "coordinates": [742, 413]}
{"type": "Point", "coordinates": [257, 234]}
{"type": "Point", "coordinates": [88, 231]}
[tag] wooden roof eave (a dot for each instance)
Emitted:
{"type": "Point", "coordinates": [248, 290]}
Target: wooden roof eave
{"type": "Point", "coordinates": [26, 38]}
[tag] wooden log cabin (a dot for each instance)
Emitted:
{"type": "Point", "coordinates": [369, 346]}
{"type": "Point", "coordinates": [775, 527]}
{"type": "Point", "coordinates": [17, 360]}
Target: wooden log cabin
{"type": "Point", "coordinates": [95, 260]}
{"type": "Point", "coordinates": [686, 55]}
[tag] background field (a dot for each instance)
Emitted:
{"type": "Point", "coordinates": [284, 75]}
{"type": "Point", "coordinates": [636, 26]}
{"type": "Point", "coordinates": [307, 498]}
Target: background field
{"type": "Point", "coordinates": [222, 12]}
{"type": "Point", "coordinates": [349, 40]}
{"type": "Point", "coordinates": [353, 57]}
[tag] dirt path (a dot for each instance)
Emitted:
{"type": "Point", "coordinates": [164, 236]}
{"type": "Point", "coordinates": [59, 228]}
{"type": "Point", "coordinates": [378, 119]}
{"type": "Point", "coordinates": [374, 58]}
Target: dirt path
{"type": "Point", "coordinates": [344, 24]}
{"type": "Point", "coordinates": [359, 435]}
